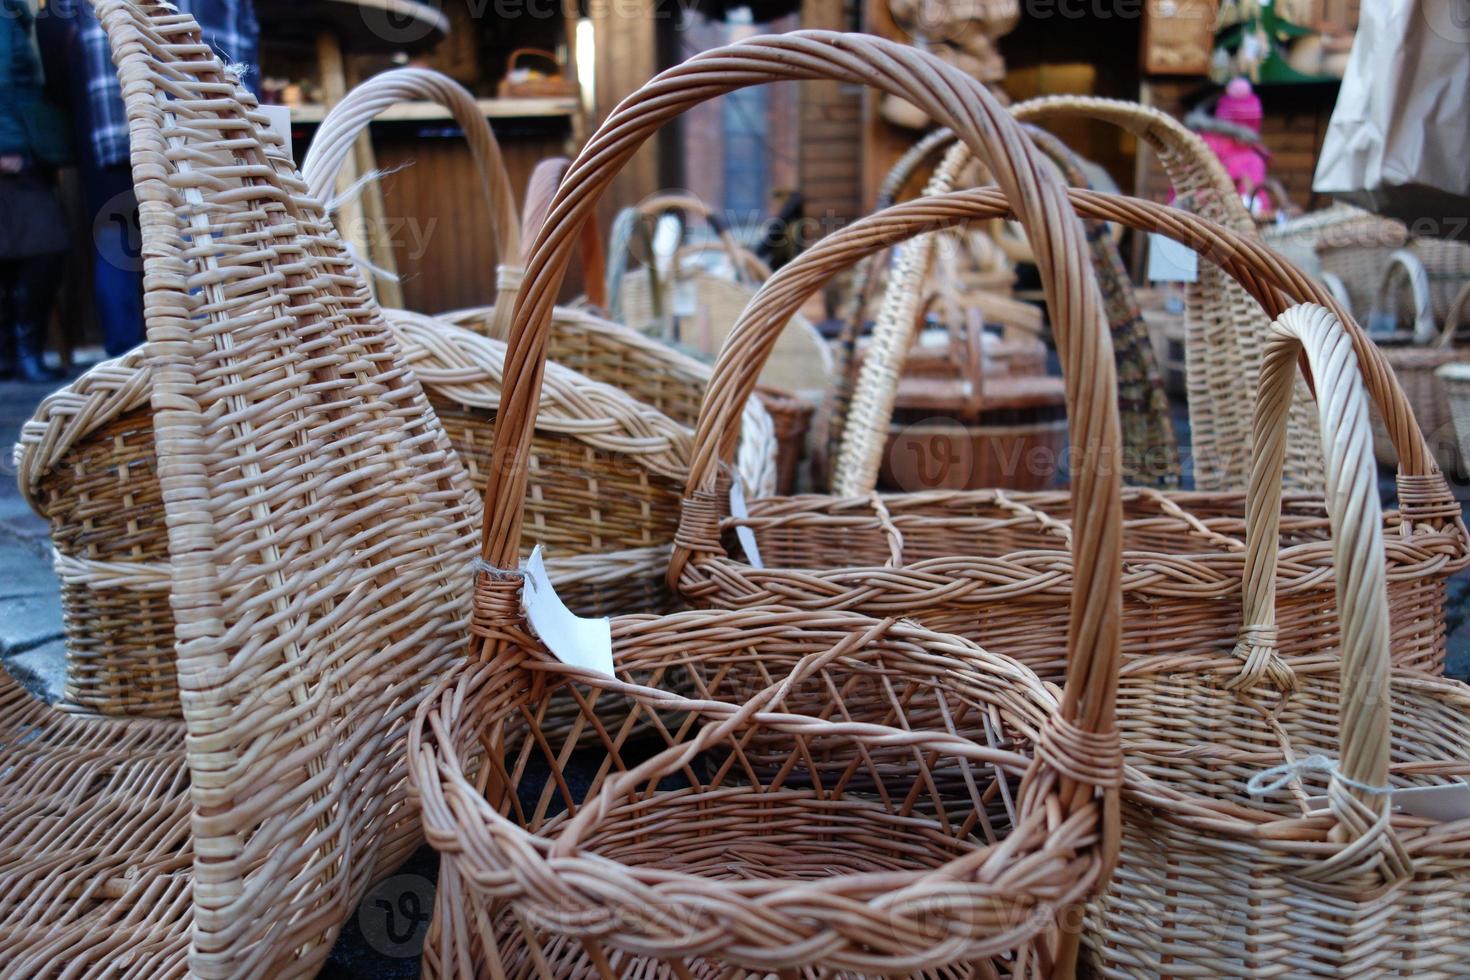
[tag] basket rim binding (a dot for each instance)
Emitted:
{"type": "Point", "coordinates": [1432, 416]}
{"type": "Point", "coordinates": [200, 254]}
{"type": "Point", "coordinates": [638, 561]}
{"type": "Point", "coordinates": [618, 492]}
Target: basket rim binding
{"type": "Point", "coordinates": [1270, 279]}
{"type": "Point", "coordinates": [1073, 770]}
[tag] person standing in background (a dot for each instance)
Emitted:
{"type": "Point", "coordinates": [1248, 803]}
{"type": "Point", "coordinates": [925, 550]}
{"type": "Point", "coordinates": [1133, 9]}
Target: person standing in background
{"type": "Point", "coordinates": [73, 39]}
{"type": "Point", "coordinates": [33, 241]}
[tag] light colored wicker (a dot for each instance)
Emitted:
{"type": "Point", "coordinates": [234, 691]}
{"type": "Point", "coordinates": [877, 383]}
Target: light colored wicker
{"type": "Point", "coordinates": [317, 536]}
{"type": "Point", "coordinates": [1358, 246]}
{"type": "Point", "coordinates": [1215, 880]}
{"type": "Point", "coordinates": [1003, 896]}
{"type": "Point", "coordinates": [1415, 357]}
{"type": "Point", "coordinates": [609, 471]}
{"type": "Point", "coordinates": [1006, 431]}
{"type": "Point", "coordinates": [645, 301]}
{"type": "Point", "coordinates": [1454, 380]}
{"type": "Point", "coordinates": [601, 350]}
{"type": "Point", "coordinates": [997, 567]}
{"type": "Point", "coordinates": [1223, 327]}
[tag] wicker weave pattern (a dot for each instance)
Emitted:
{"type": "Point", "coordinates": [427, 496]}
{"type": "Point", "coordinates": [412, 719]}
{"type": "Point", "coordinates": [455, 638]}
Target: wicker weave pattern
{"type": "Point", "coordinates": [1223, 326]}
{"type": "Point", "coordinates": [1215, 880]}
{"type": "Point", "coordinates": [317, 536]}
{"type": "Point", "coordinates": [604, 500]}
{"type": "Point", "coordinates": [1072, 777]}
{"type": "Point", "coordinates": [960, 562]}
{"type": "Point", "coordinates": [783, 804]}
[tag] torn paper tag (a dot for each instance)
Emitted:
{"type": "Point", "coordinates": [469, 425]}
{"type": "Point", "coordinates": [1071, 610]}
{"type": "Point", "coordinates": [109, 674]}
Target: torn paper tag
{"type": "Point", "coordinates": [743, 534]}
{"type": "Point", "coordinates": [571, 638]}
{"type": "Point", "coordinates": [1444, 804]}
{"type": "Point", "coordinates": [280, 122]}
{"type": "Point", "coordinates": [1170, 261]}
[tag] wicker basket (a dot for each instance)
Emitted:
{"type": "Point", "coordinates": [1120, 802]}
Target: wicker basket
{"type": "Point", "coordinates": [1416, 355]}
{"type": "Point", "coordinates": [1223, 327]}
{"type": "Point", "coordinates": [1003, 895]}
{"type": "Point", "coordinates": [995, 567]}
{"type": "Point", "coordinates": [608, 476]}
{"type": "Point", "coordinates": [1259, 839]}
{"type": "Point", "coordinates": [317, 538]}
{"type": "Point", "coordinates": [536, 85]}
{"type": "Point", "coordinates": [642, 299]}
{"type": "Point", "coordinates": [1454, 380]}
{"type": "Point", "coordinates": [608, 468]}
{"type": "Point", "coordinates": [1359, 247]}
{"type": "Point", "coordinates": [960, 429]}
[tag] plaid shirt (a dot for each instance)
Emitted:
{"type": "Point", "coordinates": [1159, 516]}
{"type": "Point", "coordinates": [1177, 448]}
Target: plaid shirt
{"type": "Point", "coordinates": [228, 26]}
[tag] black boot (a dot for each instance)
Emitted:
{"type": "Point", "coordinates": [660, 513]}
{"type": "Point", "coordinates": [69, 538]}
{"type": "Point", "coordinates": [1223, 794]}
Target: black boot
{"type": "Point", "coordinates": [36, 279]}
{"type": "Point", "coordinates": [30, 359]}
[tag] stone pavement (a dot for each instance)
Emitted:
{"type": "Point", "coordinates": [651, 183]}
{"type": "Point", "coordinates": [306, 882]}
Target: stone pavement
{"type": "Point", "coordinates": [383, 939]}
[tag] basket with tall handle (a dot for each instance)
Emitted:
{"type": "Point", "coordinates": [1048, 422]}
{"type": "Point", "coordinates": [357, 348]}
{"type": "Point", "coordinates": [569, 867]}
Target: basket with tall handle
{"type": "Point", "coordinates": [504, 857]}
{"type": "Point", "coordinates": [1151, 450]}
{"type": "Point", "coordinates": [994, 566]}
{"type": "Point", "coordinates": [609, 470]}
{"type": "Point", "coordinates": [1223, 327]}
{"type": "Point", "coordinates": [1274, 817]}
{"type": "Point", "coordinates": [317, 538]}
{"type": "Point", "coordinates": [648, 299]}
{"type": "Point", "coordinates": [1416, 354]}
{"type": "Point", "coordinates": [582, 341]}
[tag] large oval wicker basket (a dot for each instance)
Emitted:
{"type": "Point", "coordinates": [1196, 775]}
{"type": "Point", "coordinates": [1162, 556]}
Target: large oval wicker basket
{"type": "Point", "coordinates": [995, 567]}
{"type": "Point", "coordinates": [506, 872]}
{"type": "Point", "coordinates": [1260, 836]}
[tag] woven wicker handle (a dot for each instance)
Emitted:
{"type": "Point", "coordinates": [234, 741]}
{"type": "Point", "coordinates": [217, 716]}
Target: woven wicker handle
{"type": "Point", "coordinates": [633, 226]}
{"type": "Point", "coordinates": [870, 408]}
{"type": "Point", "coordinates": [1190, 164]}
{"type": "Point", "coordinates": [542, 53]}
{"type": "Point", "coordinates": [1455, 316]}
{"type": "Point", "coordinates": [352, 116]}
{"type": "Point", "coordinates": [540, 189]}
{"type": "Point", "coordinates": [1406, 265]}
{"type": "Point", "coordinates": [1357, 535]}
{"type": "Point", "coordinates": [1273, 282]}
{"type": "Point", "coordinates": [954, 100]}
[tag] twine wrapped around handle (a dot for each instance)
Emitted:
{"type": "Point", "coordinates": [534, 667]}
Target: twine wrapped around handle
{"type": "Point", "coordinates": [349, 118]}
{"type": "Point", "coordinates": [1355, 795]}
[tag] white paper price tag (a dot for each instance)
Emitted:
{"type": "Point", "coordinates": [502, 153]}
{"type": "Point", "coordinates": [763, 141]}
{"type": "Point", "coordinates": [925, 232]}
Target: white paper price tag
{"type": "Point", "coordinates": [1444, 804]}
{"type": "Point", "coordinates": [686, 299]}
{"type": "Point", "coordinates": [280, 120]}
{"type": "Point", "coordinates": [1169, 261]}
{"type": "Point", "coordinates": [572, 639]}
{"type": "Point", "coordinates": [743, 534]}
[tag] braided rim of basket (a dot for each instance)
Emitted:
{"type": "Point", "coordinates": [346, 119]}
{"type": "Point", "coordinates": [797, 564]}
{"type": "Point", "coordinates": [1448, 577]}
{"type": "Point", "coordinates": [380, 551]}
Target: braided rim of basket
{"type": "Point", "coordinates": [1361, 837]}
{"type": "Point", "coordinates": [456, 363]}
{"type": "Point", "coordinates": [996, 905]}
{"type": "Point", "coordinates": [1075, 776]}
{"type": "Point", "coordinates": [1271, 280]}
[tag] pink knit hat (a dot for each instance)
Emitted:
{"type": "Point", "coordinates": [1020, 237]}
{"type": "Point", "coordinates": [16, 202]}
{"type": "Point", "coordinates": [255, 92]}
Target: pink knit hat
{"type": "Point", "coordinates": [1239, 104]}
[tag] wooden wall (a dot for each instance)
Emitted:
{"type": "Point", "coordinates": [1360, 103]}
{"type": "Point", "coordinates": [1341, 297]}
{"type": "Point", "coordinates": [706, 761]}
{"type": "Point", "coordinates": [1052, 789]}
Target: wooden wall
{"type": "Point", "coordinates": [437, 216]}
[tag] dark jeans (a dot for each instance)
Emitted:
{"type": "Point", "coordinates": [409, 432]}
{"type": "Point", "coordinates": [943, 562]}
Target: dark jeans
{"type": "Point", "coordinates": [117, 262]}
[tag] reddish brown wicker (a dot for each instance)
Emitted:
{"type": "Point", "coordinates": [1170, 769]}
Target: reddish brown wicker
{"type": "Point", "coordinates": [507, 874]}
{"type": "Point", "coordinates": [996, 567]}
